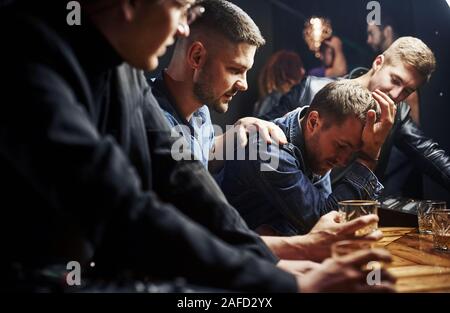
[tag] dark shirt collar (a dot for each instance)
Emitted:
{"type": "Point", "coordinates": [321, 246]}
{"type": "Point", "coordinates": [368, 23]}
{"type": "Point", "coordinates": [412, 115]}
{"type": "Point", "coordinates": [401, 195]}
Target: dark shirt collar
{"type": "Point", "coordinates": [92, 47]}
{"type": "Point", "coordinates": [290, 124]}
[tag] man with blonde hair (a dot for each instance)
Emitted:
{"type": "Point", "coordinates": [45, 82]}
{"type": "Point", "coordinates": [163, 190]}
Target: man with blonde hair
{"type": "Point", "coordinates": [401, 169]}
{"type": "Point", "coordinates": [401, 69]}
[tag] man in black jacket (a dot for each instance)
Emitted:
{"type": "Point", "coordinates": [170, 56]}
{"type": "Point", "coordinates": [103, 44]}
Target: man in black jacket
{"type": "Point", "coordinates": [400, 70]}
{"type": "Point", "coordinates": [86, 163]}
{"type": "Point", "coordinates": [400, 168]}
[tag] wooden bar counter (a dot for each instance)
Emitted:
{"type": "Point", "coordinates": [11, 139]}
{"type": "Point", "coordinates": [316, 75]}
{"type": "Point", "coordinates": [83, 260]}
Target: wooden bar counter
{"type": "Point", "coordinates": [416, 264]}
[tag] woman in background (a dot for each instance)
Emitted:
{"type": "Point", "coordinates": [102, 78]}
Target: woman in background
{"type": "Point", "coordinates": [283, 70]}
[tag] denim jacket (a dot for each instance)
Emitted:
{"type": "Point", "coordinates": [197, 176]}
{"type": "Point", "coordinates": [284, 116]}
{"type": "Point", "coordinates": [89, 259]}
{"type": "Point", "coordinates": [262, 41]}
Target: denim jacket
{"type": "Point", "coordinates": [288, 196]}
{"type": "Point", "coordinates": [405, 135]}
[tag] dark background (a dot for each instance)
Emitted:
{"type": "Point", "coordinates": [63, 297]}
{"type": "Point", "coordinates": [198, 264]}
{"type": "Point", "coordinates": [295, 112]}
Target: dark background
{"type": "Point", "coordinates": [281, 23]}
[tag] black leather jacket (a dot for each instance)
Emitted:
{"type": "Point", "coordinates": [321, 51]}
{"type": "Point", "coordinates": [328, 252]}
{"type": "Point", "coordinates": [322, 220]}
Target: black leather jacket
{"type": "Point", "coordinates": [405, 134]}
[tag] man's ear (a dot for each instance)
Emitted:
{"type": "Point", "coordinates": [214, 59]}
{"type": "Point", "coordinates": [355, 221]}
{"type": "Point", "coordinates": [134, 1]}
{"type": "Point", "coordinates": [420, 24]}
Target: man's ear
{"type": "Point", "coordinates": [196, 55]}
{"type": "Point", "coordinates": [128, 8]}
{"type": "Point", "coordinates": [313, 121]}
{"type": "Point", "coordinates": [378, 62]}
{"type": "Point", "coordinates": [388, 33]}
{"type": "Point", "coordinates": [302, 71]}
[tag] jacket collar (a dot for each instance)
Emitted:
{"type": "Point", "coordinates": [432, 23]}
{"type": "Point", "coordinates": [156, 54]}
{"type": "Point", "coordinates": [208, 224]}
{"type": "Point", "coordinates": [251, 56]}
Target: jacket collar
{"type": "Point", "coordinates": [290, 124]}
{"type": "Point", "coordinates": [92, 47]}
{"type": "Point", "coordinates": [165, 99]}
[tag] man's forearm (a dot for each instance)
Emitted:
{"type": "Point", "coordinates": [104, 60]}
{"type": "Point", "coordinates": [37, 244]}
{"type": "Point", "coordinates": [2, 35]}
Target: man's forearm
{"type": "Point", "coordinates": [288, 248]}
{"type": "Point", "coordinates": [425, 152]}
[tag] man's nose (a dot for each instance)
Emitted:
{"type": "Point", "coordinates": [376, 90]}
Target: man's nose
{"type": "Point", "coordinates": [395, 93]}
{"type": "Point", "coordinates": [241, 84]}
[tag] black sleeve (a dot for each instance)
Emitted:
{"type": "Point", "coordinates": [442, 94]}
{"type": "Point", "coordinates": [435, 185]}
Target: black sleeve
{"type": "Point", "coordinates": [48, 137]}
{"type": "Point", "coordinates": [423, 151]}
{"type": "Point", "coordinates": [190, 187]}
{"type": "Point", "coordinates": [288, 102]}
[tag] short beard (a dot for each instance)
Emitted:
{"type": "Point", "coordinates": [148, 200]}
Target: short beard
{"type": "Point", "coordinates": [311, 157]}
{"type": "Point", "coordinates": [204, 95]}
{"type": "Point", "coordinates": [203, 91]}
{"type": "Point", "coordinates": [380, 48]}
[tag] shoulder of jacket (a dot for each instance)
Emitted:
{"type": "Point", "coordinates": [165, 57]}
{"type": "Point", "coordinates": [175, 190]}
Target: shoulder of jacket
{"type": "Point", "coordinates": [403, 111]}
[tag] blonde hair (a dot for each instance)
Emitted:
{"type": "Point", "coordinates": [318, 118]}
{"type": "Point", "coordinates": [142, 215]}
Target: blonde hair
{"type": "Point", "coordinates": [414, 52]}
